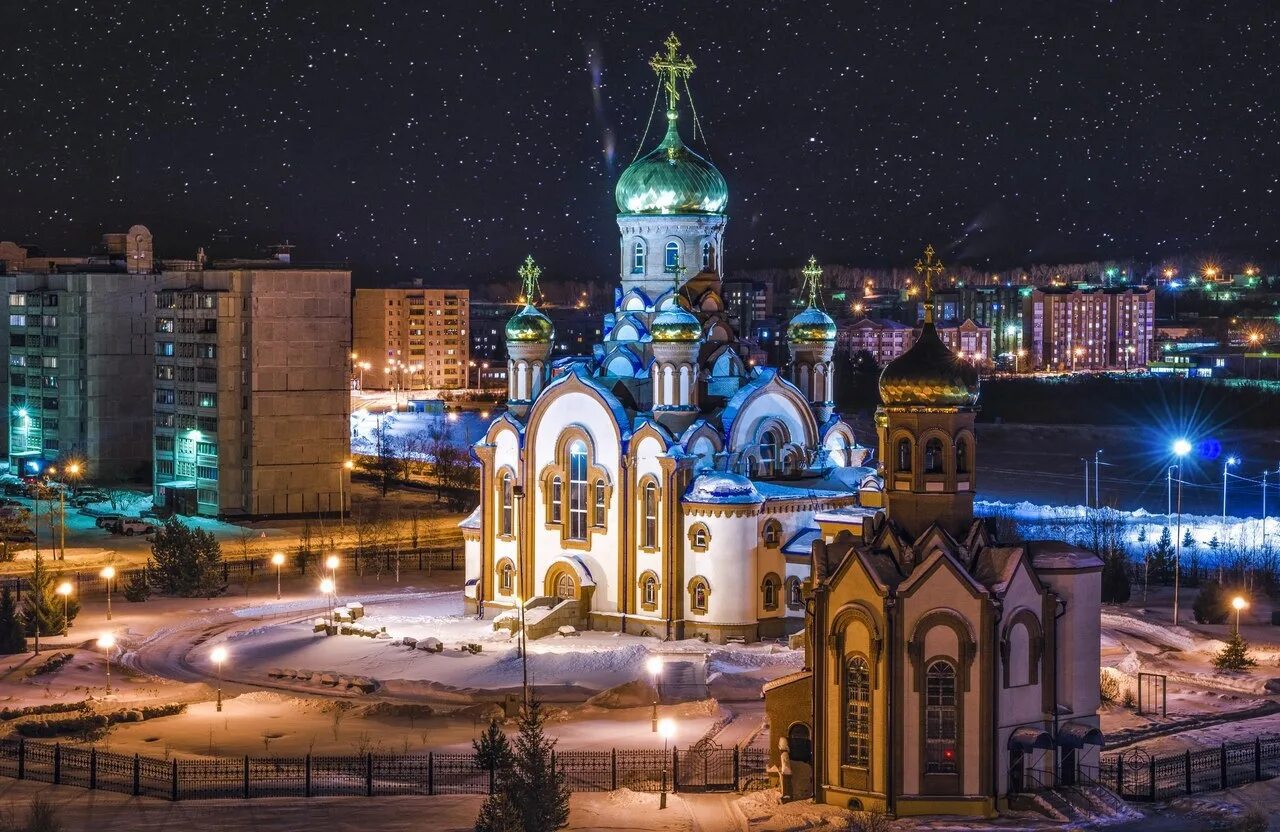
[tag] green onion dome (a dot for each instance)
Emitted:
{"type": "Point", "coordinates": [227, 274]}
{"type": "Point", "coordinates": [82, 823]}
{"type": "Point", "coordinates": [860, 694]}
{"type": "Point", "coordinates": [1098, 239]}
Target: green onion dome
{"type": "Point", "coordinates": [675, 323]}
{"type": "Point", "coordinates": [530, 326]}
{"type": "Point", "coordinates": [671, 179]}
{"type": "Point", "coordinates": [929, 375]}
{"type": "Point", "coordinates": [811, 324]}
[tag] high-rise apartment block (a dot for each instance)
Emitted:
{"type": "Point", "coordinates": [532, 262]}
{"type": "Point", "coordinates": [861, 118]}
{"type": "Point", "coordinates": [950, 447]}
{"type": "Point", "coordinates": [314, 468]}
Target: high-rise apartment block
{"type": "Point", "coordinates": [411, 338]}
{"type": "Point", "coordinates": [1089, 327]}
{"type": "Point", "coordinates": [251, 395]}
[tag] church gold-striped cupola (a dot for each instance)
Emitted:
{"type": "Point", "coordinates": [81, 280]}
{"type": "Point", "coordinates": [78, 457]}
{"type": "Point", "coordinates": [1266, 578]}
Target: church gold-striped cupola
{"type": "Point", "coordinates": [811, 335]}
{"type": "Point", "coordinates": [529, 337]}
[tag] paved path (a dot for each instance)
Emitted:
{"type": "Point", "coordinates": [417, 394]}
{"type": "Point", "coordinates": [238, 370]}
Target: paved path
{"type": "Point", "coordinates": [713, 813]}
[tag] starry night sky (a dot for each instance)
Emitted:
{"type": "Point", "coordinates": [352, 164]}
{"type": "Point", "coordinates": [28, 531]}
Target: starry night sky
{"type": "Point", "coordinates": [448, 139]}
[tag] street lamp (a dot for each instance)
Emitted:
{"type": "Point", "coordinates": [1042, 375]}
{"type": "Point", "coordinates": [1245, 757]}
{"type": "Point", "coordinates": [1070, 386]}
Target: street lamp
{"type": "Point", "coordinates": [1238, 604]}
{"type": "Point", "coordinates": [1181, 447]}
{"type": "Point", "coordinates": [327, 587]}
{"type": "Point", "coordinates": [219, 655]}
{"type": "Point", "coordinates": [64, 589]}
{"type": "Point", "coordinates": [1097, 479]}
{"type": "Point", "coordinates": [667, 728]}
{"type": "Point", "coordinates": [654, 666]}
{"type": "Point", "coordinates": [105, 642]}
{"type": "Point", "coordinates": [277, 560]}
{"type": "Point", "coordinates": [1226, 467]}
{"type": "Point", "coordinates": [331, 563]}
{"type": "Point", "coordinates": [108, 573]}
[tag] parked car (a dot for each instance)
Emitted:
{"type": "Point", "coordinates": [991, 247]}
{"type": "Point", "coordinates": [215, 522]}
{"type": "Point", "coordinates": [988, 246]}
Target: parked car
{"type": "Point", "coordinates": [15, 489]}
{"type": "Point", "coordinates": [132, 526]}
{"type": "Point", "coordinates": [9, 501]}
{"type": "Point", "coordinates": [18, 535]}
{"type": "Point", "coordinates": [108, 522]}
{"type": "Point", "coordinates": [84, 498]}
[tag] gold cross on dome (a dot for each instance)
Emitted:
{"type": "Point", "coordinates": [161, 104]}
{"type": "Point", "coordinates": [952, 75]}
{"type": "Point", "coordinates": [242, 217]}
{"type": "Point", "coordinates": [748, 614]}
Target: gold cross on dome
{"type": "Point", "coordinates": [812, 279]}
{"type": "Point", "coordinates": [671, 69]}
{"type": "Point", "coordinates": [529, 274]}
{"type": "Point", "coordinates": [928, 268]}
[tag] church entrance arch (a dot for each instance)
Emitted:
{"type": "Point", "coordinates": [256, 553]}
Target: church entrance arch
{"type": "Point", "coordinates": [565, 586]}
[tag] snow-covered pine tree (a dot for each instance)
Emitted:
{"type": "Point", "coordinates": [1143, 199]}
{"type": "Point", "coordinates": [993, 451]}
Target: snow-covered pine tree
{"type": "Point", "coordinates": [41, 605]}
{"type": "Point", "coordinates": [1234, 655]}
{"type": "Point", "coordinates": [12, 638]}
{"type": "Point", "coordinates": [531, 789]}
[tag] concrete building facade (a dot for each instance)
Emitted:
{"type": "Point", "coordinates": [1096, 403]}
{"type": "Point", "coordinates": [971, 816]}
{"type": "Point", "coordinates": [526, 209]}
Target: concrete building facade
{"type": "Point", "coordinates": [412, 338]}
{"type": "Point", "coordinates": [1079, 328]}
{"type": "Point", "coordinates": [251, 399]}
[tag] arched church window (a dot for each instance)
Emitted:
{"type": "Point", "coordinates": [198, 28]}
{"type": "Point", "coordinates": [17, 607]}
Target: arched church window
{"type": "Point", "coordinates": [649, 538]}
{"type": "Point", "coordinates": [904, 455]}
{"type": "Point", "coordinates": [940, 719]}
{"type": "Point", "coordinates": [769, 589]}
{"type": "Point", "coordinates": [506, 576]}
{"type": "Point", "coordinates": [700, 538]}
{"type": "Point", "coordinates": [650, 591]}
{"type": "Point", "coordinates": [962, 457]}
{"type": "Point", "coordinates": [795, 593]}
{"type": "Point", "coordinates": [672, 262]}
{"type": "Point", "coordinates": [772, 533]}
{"type": "Point", "coordinates": [598, 519]}
{"type": "Point", "coordinates": [507, 522]}
{"type": "Point", "coordinates": [578, 490]}
{"type": "Point", "coordinates": [768, 454]}
{"type": "Point", "coordinates": [698, 595]}
{"type": "Point", "coordinates": [857, 712]}
{"type": "Point", "coordinates": [557, 499]}
{"type": "Point", "coordinates": [933, 456]}
{"type": "Point", "coordinates": [637, 258]}
{"type": "Point", "coordinates": [708, 257]}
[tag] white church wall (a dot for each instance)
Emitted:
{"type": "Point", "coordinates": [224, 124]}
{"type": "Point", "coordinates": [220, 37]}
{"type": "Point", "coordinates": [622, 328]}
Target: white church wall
{"type": "Point", "coordinates": [749, 420]}
{"type": "Point", "coordinates": [726, 566]}
{"type": "Point", "coordinates": [1019, 705]}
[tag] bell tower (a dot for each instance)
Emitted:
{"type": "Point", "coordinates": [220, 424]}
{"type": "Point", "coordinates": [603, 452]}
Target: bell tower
{"type": "Point", "coordinates": [811, 336]}
{"type": "Point", "coordinates": [925, 428]}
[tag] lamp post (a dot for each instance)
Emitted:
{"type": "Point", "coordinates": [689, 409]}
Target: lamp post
{"type": "Point", "coordinates": [64, 589]}
{"type": "Point", "coordinates": [654, 666]}
{"type": "Point", "coordinates": [1238, 604]}
{"type": "Point", "coordinates": [327, 587]}
{"type": "Point", "coordinates": [667, 728]}
{"type": "Point", "coordinates": [219, 655]}
{"type": "Point", "coordinates": [277, 560]}
{"type": "Point", "coordinates": [108, 573]}
{"type": "Point", "coordinates": [331, 563]}
{"type": "Point", "coordinates": [1087, 503]}
{"type": "Point", "coordinates": [105, 642]}
{"type": "Point", "coordinates": [1226, 472]}
{"type": "Point", "coordinates": [1097, 479]}
{"type": "Point", "coordinates": [1181, 448]}
{"type": "Point", "coordinates": [348, 465]}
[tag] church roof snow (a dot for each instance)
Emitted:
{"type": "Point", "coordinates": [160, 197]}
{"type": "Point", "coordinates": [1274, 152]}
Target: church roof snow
{"type": "Point", "coordinates": [722, 488]}
{"type": "Point", "coordinates": [801, 543]}
{"type": "Point", "coordinates": [1057, 554]}
{"type": "Point", "coordinates": [472, 520]}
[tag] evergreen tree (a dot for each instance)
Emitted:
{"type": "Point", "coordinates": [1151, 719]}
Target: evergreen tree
{"type": "Point", "coordinates": [1115, 579]}
{"type": "Point", "coordinates": [42, 607]}
{"type": "Point", "coordinates": [1235, 655]}
{"type": "Point", "coordinates": [1160, 559]}
{"type": "Point", "coordinates": [1210, 606]}
{"type": "Point", "coordinates": [531, 794]}
{"type": "Point", "coordinates": [12, 638]}
{"type": "Point", "coordinates": [138, 587]}
{"type": "Point", "coordinates": [188, 562]}
{"type": "Point", "coordinates": [1188, 541]}
{"type": "Point", "coordinates": [493, 750]}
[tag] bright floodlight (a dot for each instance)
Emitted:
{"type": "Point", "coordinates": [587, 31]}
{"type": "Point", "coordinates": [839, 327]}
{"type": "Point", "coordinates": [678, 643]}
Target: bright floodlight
{"type": "Point", "coordinates": [326, 586]}
{"type": "Point", "coordinates": [218, 655]}
{"type": "Point", "coordinates": [349, 464]}
{"type": "Point", "coordinates": [1181, 447]}
{"type": "Point", "coordinates": [106, 641]}
{"type": "Point", "coordinates": [1239, 603]}
{"type": "Point", "coordinates": [1231, 460]}
{"type": "Point", "coordinates": [64, 588]}
{"type": "Point", "coordinates": [277, 559]}
{"type": "Point", "coordinates": [332, 562]}
{"type": "Point", "coordinates": [108, 572]}
{"type": "Point", "coordinates": [73, 469]}
{"type": "Point", "coordinates": [654, 665]}
{"type": "Point", "coordinates": [667, 728]}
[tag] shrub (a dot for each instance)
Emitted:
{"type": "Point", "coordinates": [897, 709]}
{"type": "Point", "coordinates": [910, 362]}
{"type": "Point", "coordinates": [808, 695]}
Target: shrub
{"type": "Point", "coordinates": [1235, 655]}
{"type": "Point", "coordinates": [871, 821]}
{"type": "Point", "coordinates": [138, 587]}
{"type": "Point", "coordinates": [1108, 686]}
{"type": "Point", "coordinates": [37, 710]}
{"type": "Point", "coordinates": [1210, 606]}
{"type": "Point", "coordinates": [188, 562]}
{"type": "Point", "coordinates": [52, 664]}
{"type": "Point", "coordinates": [1253, 821]}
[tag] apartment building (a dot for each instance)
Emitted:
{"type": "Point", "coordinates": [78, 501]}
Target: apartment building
{"type": "Point", "coordinates": [967, 339]}
{"type": "Point", "coordinates": [1089, 327]}
{"type": "Point", "coordinates": [883, 338]}
{"type": "Point", "coordinates": [250, 391]}
{"type": "Point", "coordinates": [411, 338]}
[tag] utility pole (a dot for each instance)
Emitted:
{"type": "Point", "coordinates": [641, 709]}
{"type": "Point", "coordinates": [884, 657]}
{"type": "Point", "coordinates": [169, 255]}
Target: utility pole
{"type": "Point", "coordinates": [1086, 481]}
{"type": "Point", "coordinates": [1097, 480]}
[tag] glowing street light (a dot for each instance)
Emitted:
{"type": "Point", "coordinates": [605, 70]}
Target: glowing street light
{"type": "Point", "coordinates": [1181, 447]}
{"type": "Point", "coordinates": [654, 666]}
{"type": "Point", "coordinates": [1238, 604]}
{"type": "Point", "coordinates": [331, 563]}
{"type": "Point", "coordinates": [64, 589]}
{"type": "Point", "coordinates": [277, 560]}
{"type": "Point", "coordinates": [219, 655]}
{"type": "Point", "coordinates": [327, 587]}
{"type": "Point", "coordinates": [667, 728]}
{"type": "Point", "coordinates": [108, 573]}
{"type": "Point", "coordinates": [105, 642]}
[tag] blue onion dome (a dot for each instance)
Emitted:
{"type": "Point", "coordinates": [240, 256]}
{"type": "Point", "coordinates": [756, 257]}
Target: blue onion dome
{"type": "Point", "coordinates": [722, 487]}
{"type": "Point", "coordinates": [671, 179]}
{"type": "Point", "coordinates": [530, 326]}
{"type": "Point", "coordinates": [811, 324]}
{"type": "Point", "coordinates": [929, 375]}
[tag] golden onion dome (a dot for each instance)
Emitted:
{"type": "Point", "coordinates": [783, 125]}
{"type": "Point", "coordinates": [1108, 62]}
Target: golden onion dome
{"type": "Point", "coordinates": [811, 324]}
{"type": "Point", "coordinates": [929, 375]}
{"type": "Point", "coordinates": [675, 323]}
{"type": "Point", "coordinates": [530, 326]}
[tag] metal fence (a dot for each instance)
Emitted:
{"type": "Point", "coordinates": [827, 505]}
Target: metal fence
{"type": "Point", "coordinates": [1137, 775]}
{"type": "Point", "coordinates": [370, 775]}
{"type": "Point", "coordinates": [238, 570]}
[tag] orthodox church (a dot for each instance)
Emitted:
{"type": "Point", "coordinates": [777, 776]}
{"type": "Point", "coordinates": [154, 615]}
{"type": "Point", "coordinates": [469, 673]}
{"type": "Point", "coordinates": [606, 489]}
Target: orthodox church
{"type": "Point", "coordinates": [944, 669]}
{"type": "Point", "coordinates": [661, 485]}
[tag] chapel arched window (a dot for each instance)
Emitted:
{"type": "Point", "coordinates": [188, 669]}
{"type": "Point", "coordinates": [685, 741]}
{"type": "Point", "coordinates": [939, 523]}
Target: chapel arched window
{"type": "Point", "coordinates": [599, 510]}
{"type": "Point", "coordinates": [637, 258]}
{"type": "Point", "coordinates": [940, 719]}
{"type": "Point", "coordinates": [672, 261]}
{"type": "Point", "coordinates": [649, 538]}
{"type": "Point", "coordinates": [578, 490]}
{"type": "Point", "coordinates": [708, 257]}
{"type": "Point", "coordinates": [857, 712]}
{"type": "Point", "coordinates": [904, 455]}
{"type": "Point", "coordinates": [768, 454]}
{"type": "Point", "coordinates": [933, 456]}
{"type": "Point", "coordinates": [507, 521]}
{"type": "Point", "coordinates": [557, 500]}
{"type": "Point", "coordinates": [962, 457]}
